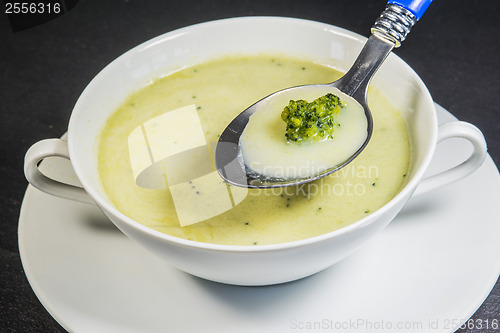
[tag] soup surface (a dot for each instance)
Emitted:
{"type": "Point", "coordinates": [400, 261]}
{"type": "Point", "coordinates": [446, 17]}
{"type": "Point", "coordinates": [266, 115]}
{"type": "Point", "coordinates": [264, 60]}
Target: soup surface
{"type": "Point", "coordinates": [215, 212]}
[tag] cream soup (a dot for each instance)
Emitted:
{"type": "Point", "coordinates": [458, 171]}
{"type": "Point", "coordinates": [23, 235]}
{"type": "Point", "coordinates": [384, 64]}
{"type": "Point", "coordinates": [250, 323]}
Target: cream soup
{"type": "Point", "coordinates": [266, 151]}
{"type": "Point", "coordinates": [220, 89]}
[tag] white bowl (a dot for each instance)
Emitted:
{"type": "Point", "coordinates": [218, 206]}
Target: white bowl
{"type": "Point", "coordinates": [262, 264]}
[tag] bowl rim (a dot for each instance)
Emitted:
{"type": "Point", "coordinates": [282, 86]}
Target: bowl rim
{"type": "Point", "coordinates": [406, 191]}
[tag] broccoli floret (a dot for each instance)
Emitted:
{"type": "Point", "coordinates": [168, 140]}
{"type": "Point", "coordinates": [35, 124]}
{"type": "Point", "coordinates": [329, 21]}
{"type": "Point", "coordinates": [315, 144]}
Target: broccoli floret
{"type": "Point", "coordinates": [313, 121]}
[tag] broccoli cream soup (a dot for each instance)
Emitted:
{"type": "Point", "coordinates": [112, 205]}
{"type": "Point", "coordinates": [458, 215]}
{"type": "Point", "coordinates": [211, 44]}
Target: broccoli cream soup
{"type": "Point", "coordinates": [267, 151]}
{"type": "Point", "coordinates": [201, 207]}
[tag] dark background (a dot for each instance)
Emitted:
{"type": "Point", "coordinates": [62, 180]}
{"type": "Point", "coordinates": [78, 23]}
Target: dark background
{"type": "Point", "coordinates": [455, 48]}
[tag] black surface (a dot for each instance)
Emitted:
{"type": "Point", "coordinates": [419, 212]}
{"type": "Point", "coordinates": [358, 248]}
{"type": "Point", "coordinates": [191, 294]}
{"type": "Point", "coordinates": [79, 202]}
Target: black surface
{"type": "Point", "coordinates": [455, 48]}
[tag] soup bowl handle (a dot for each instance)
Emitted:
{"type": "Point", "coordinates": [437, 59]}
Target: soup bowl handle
{"type": "Point", "coordinates": [49, 148]}
{"type": "Point", "coordinates": [457, 129]}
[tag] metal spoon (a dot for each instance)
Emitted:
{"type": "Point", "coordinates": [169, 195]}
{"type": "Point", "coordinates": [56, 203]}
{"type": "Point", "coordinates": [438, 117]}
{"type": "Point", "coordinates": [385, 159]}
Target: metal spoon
{"type": "Point", "coordinates": [388, 32]}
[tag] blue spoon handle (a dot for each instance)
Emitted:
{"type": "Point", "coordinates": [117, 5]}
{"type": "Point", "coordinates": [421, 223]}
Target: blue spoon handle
{"type": "Point", "coordinates": [416, 7]}
{"type": "Point", "coordinates": [398, 18]}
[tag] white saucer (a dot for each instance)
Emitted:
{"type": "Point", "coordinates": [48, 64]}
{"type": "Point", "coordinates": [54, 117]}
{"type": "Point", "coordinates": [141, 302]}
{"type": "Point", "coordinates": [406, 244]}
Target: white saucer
{"type": "Point", "coordinates": [428, 271]}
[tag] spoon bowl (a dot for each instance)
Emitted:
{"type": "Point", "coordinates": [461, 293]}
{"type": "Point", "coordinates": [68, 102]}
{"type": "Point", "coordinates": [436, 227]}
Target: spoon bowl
{"type": "Point", "coordinates": [388, 32]}
{"type": "Point", "coordinates": [228, 152]}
